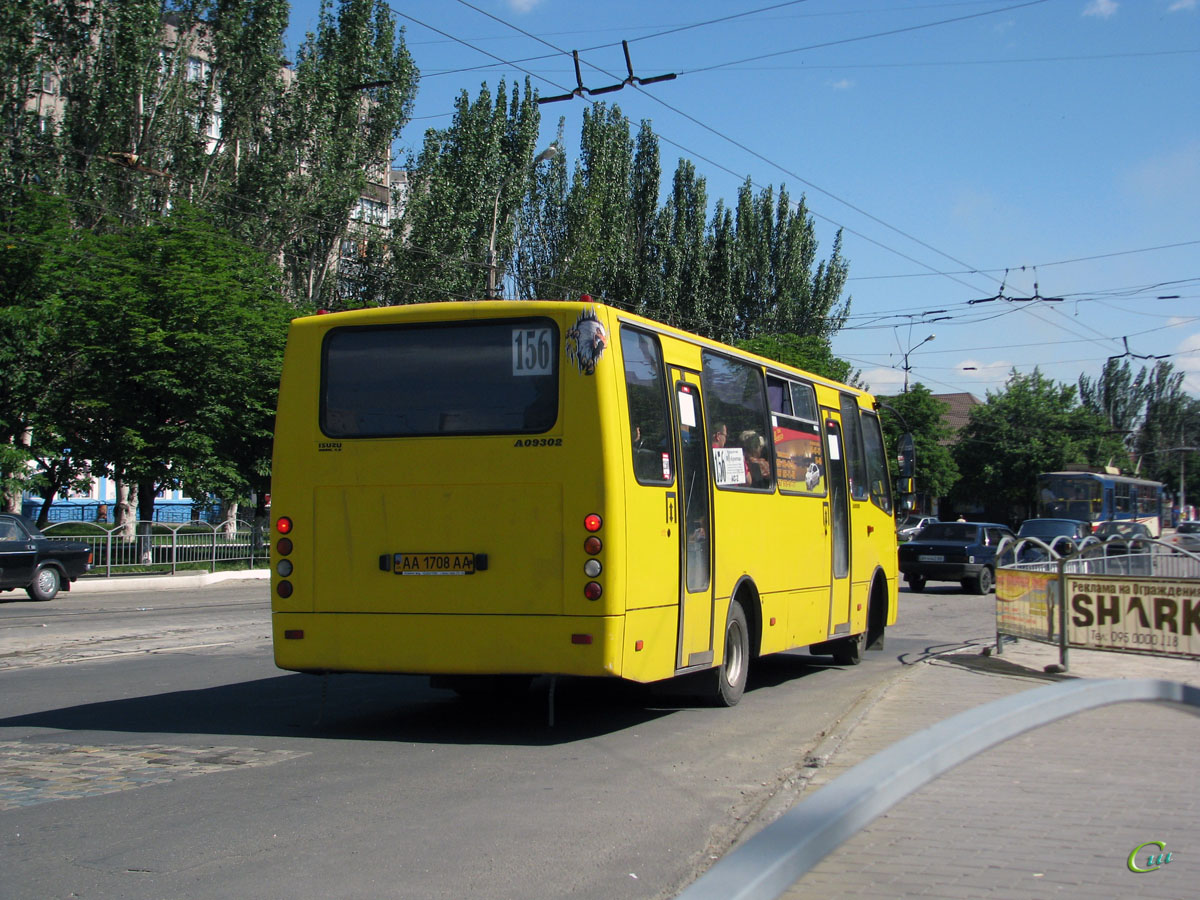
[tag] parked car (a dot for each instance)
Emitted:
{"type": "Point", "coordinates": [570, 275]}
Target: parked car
{"type": "Point", "coordinates": [30, 560]}
{"type": "Point", "coordinates": [953, 551]}
{"type": "Point", "coordinates": [1187, 536]}
{"type": "Point", "coordinates": [1061, 535]}
{"type": "Point", "coordinates": [1124, 535]}
{"type": "Point", "coordinates": [908, 528]}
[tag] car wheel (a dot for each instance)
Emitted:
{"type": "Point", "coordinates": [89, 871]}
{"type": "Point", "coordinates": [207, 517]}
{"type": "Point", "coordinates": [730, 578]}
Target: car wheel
{"type": "Point", "coordinates": [728, 680]}
{"type": "Point", "coordinates": [45, 585]}
{"type": "Point", "coordinates": [982, 583]}
{"type": "Point", "coordinates": [915, 583]}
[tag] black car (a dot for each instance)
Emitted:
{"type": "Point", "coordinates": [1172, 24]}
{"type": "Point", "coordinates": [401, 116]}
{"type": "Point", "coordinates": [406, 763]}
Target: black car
{"type": "Point", "coordinates": [30, 560]}
{"type": "Point", "coordinates": [953, 551]}
{"type": "Point", "coordinates": [1061, 535]}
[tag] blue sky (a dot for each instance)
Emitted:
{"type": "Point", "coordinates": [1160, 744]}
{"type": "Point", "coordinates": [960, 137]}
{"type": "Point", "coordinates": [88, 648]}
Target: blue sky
{"type": "Point", "coordinates": [970, 149]}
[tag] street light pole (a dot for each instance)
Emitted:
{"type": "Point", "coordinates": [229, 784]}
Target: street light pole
{"type": "Point", "coordinates": [907, 367]}
{"type": "Point", "coordinates": [493, 280]}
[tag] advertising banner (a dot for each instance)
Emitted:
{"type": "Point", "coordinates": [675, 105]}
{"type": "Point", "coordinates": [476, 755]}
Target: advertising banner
{"type": "Point", "coordinates": [1160, 616]}
{"type": "Point", "coordinates": [1027, 604]}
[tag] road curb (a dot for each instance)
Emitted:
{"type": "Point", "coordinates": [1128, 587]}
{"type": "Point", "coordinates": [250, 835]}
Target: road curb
{"type": "Point", "coordinates": [99, 583]}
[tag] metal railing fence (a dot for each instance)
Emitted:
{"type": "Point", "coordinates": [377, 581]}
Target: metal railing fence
{"type": "Point", "coordinates": [162, 547]}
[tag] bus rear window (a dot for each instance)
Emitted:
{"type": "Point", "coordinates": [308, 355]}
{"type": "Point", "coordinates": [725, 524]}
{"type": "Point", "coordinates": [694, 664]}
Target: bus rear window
{"type": "Point", "coordinates": [458, 378]}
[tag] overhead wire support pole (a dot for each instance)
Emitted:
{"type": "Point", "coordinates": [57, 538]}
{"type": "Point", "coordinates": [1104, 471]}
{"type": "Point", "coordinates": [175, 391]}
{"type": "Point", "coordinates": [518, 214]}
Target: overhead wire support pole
{"type": "Point", "coordinates": [580, 90]}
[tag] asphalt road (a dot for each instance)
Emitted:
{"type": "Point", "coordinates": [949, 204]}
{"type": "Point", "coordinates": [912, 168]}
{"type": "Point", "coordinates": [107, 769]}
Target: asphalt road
{"type": "Point", "coordinates": [150, 748]}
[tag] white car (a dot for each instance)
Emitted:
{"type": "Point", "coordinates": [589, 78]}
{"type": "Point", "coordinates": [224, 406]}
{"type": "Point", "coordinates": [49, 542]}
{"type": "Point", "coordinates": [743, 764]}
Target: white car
{"type": "Point", "coordinates": [1187, 536]}
{"type": "Point", "coordinates": [907, 530]}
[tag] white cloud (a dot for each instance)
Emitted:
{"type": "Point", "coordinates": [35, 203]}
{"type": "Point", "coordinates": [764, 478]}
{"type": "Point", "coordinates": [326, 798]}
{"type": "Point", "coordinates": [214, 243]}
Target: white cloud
{"type": "Point", "coordinates": [523, 6]}
{"type": "Point", "coordinates": [843, 84]}
{"type": "Point", "coordinates": [1181, 5]}
{"type": "Point", "coordinates": [884, 381]}
{"type": "Point", "coordinates": [1104, 9]}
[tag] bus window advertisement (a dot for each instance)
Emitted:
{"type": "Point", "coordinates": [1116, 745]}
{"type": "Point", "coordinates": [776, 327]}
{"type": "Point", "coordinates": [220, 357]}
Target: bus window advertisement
{"type": "Point", "coordinates": [1158, 616]}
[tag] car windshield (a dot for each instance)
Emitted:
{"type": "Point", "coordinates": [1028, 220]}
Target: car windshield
{"type": "Point", "coordinates": [948, 531]}
{"type": "Point", "coordinates": [1188, 528]}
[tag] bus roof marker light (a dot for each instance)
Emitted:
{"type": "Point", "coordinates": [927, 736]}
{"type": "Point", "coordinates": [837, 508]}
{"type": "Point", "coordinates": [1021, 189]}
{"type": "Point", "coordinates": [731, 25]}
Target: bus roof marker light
{"type": "Point", "coordinates": [593, 522]}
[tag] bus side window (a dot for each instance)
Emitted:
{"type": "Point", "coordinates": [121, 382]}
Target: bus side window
{"type": "Point", "coordinates": [855, 455]}
{"type": "Point", "coordinates": [877, 471]}
{"type": "Point", "coordinates": [734, 397]}
{"type": "Point", "coordinates": [646, 394]}
{"type": "Point", "coordinates": [796, 436]}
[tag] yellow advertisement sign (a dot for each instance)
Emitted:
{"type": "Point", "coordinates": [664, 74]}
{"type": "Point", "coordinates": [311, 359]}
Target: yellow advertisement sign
{"type": "Point", "coordinates": [1026, 604]}
{"type": "Point", "coordinates": [1147, 615]}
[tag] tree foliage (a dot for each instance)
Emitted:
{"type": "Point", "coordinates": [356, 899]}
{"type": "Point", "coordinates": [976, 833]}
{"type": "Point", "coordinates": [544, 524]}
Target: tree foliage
{"type": "Point", "coordinates": [919, 413]}
{"type": "Point", "coordinates": [465, 178]}
{"type": "Point", "coordinates": [1034, 425]}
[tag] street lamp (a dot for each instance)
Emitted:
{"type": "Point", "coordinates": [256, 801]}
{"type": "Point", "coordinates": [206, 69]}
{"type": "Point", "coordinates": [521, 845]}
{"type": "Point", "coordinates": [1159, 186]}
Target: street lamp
{"type": "Point", "coordinates": [493, 281]}
{"type": "Point", "coordinates": [907, 367]}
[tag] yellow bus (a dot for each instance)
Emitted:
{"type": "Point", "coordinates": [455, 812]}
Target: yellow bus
{"type": "Point", "coordinates": [501, 488]}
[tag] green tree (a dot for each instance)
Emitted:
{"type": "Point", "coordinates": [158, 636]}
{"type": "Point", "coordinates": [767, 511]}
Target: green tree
{"type": "Point", "coordinates": [921, 414]}
{"type": "Point", "coordinates": [1117, 395]}
{"type": "Point", "coordinates": [679, 240]}
{"type": "Point", "coordinates": [465, 177]}
{"type": "Point", "coordinates": [598, 246]}
{"type": "Point", "coordinates": [775, 285]}
{"type": "Point", "coordinates": [1171, 422]}
{"type": "Point", "coordinates": [353, 92]}
{"type": "Point", "coordinates": [181, 331]}
{"type": "Point", "coordinates": [808, 352]}
{"type": "Point", "coordinates": [1034, 425]}
{"type": "Point", "coordinates": [541, 235]}
{"type": "Point", "coordinates": [37, 409]}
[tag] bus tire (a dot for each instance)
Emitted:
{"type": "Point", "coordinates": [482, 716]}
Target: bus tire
{"type": "Point", "coordinates": [729, 678]}
{"type": "Point", "coordinates": [848, 651]}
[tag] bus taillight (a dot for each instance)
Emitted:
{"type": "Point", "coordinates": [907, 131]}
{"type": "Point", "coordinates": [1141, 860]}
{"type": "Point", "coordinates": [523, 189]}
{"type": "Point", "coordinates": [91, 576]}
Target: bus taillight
{"type": "Point", "coordinates": [592, 522]}
{"type": "Point", "coordinates": [283, 525]}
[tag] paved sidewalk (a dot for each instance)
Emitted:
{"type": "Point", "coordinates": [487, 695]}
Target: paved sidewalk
{"type": "Point", "coordinates": [1054, 812]}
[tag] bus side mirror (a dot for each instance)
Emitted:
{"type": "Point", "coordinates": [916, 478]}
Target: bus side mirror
{"type": "Point", "coordinates": [906, 458]}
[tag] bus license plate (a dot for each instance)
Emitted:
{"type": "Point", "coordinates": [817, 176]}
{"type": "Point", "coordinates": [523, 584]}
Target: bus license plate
{"type": "Point", "coordinates": [930, 557]}
{"type": "Point", "coordinates": [434, 564]}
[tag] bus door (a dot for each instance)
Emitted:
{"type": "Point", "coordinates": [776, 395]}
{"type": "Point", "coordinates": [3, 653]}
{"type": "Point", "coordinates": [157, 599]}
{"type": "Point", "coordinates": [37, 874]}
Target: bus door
{"type": "Point", "coordinates": [837, 527]}
{"type": "Point", "coordinates": [695, 643]}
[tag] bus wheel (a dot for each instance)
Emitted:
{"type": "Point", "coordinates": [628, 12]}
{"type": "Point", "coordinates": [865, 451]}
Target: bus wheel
{"type": "Point", "coordinates": [848, 651]}
{"type": "Point", "coordinates": [730, 677]}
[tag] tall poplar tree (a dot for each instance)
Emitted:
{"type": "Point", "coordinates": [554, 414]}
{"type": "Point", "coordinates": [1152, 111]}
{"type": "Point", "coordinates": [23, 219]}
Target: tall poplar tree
{"type": "Point", "coordinates": [465, 179]}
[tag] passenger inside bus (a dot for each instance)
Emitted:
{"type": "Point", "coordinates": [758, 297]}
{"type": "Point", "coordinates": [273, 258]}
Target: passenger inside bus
{"type": "Point", "coordinates": [758, 468]}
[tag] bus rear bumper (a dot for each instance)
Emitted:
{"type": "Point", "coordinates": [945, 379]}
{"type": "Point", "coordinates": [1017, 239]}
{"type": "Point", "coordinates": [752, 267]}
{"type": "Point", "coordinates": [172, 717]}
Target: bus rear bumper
{"type": "Point", "coordinates": [447, 644]}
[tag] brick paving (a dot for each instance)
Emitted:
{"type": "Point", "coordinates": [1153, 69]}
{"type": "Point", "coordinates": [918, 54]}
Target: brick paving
{"type": "Point", "coordinates": [1054, 812]}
